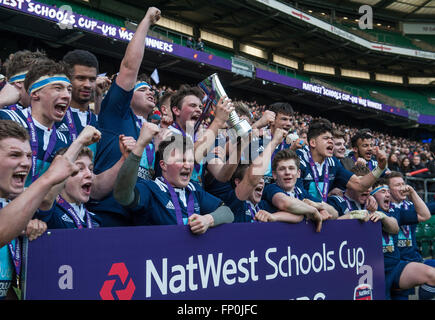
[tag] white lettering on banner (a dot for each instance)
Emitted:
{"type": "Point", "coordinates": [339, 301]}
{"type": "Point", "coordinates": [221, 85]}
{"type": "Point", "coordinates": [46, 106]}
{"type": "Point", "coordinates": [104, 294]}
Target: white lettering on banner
{"type": "Point", "coordinates": [87, 24]}
{"type": "Point", "coordinates": [317, 296]}
{"type": "Point", "coordinates": [124, 34]}
{"type": "Point", "coordinates": [66, 280]}
{"type": "Point", "coordinates": [160, 45]}
{"type": "Point", "coordinates": [337, 95]}
{"type": "Point", "coordinates": [212, 269]}
{"type": "Point", "coordinates": [305, 264]}
{"type": "Point", "coordinates": [228, 271]}
{"type": "Point", "coordinates": [355, 259]}
{"type": "Point", "coordinates": [13, 3]}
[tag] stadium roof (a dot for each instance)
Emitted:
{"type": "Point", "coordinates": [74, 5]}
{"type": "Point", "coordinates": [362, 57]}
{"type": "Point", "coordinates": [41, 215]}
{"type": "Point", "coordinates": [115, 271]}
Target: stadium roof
{"type": "Point", "coordinates": [243, 22]}
{"type": "Point", "coordinates": [252, 22]}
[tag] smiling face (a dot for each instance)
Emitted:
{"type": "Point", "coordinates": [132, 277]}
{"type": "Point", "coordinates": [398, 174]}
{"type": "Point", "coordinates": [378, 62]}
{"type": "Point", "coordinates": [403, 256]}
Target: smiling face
{"type": "Point", "coordinates": [84, 81]}
{"type": "Point", "coordinates": [15, 164]}
{"type": "Point", "coordinates": [286, 174]}
{"type": "Point", "coordinates": [178, 167]}
{"type": "Point", "coordinates": [396, 185]}
{"type": "Point", "coordinates": [282, 121]}
{"type": "Point", "coordinates": [78, 187]}
{"type": "Point", "coordinates": [339, 148]}
{"type": "Point", "coordinates": [50, 103]}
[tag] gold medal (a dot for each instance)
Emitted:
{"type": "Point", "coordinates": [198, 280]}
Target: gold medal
{"type": "Point", "coordinates": [408, 243]}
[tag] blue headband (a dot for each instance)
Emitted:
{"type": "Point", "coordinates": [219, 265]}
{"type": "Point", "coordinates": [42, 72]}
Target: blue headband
{"type": "Point", "coordinates": [379, 188]}
{"type": "Point", "coordinates": [18, 77]}
{"type": "Point", "coordinates": [44, 81]}
{"type": "Point", "coordinates": [140, 85]}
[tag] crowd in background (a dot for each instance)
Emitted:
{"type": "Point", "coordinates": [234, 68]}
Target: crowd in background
{"type": "Point", "coordinates": [78, 150]}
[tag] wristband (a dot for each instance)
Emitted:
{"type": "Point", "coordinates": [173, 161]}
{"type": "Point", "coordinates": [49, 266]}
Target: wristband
{"type": "Point", "coordinates": [377, 172]}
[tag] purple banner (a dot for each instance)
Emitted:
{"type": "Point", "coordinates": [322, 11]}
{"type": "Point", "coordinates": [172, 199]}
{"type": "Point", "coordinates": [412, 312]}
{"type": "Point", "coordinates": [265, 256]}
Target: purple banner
{"type": "Point", "coordinates": [266, 261]}
{"type": "Point", "coordinates": [69, 20]}
{"type": "Point", "coordinates": [331, 93]}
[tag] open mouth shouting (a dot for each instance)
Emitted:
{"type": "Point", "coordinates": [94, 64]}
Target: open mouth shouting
{"type": "Point", "coordinates": [195, 117]}
{"type": "Point", "coordinates": [330, 150]}
{"type": "Point", "coordinates": [60, 109]}
{"type": "Point", "coordinates": [185, 175]}
{"type": "Point", "coordinates": [86, 189]}
{"type": "Point", "coordinates": [258, 192]}
{"type": "Point", "coordinates": [19, 178]}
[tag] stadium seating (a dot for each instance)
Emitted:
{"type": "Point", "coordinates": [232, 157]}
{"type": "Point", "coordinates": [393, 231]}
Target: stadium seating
{"type": "Point", "coordinates": [425, 236]}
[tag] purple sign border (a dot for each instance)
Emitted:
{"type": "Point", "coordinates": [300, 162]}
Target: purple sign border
{"type": "Point", "coordinates": [108, 30]}
{"type": "Point", "coordinates": [258, 261]}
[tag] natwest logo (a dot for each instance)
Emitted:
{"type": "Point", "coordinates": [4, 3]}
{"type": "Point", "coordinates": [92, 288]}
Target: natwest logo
{"type": "Point", "coordinates": [120, 270]}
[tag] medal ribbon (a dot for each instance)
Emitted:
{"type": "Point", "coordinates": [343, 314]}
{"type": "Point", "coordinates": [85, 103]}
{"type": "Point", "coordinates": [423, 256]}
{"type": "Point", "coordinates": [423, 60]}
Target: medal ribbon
{"type": "Point", "coordinates": [15, 254]}
{"type": "Point", "coordinates": [324, 194]}
{"type": "Point", "coordinates": [71, 125]}
{"type": "Point", "coordinates": [34, 145]}
{"type": "Point", "coordinates": [253, 211]}
{"type": "Point", "coordinates": [72, 213]}
{"type": "Point", "coordinates": [174, 198]}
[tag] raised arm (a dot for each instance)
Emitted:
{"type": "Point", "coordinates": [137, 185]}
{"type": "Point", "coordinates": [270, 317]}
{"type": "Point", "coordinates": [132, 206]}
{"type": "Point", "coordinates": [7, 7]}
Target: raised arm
{"type": "Point", "coordinates": [423, 213]}
{"type": "Point", "coordinates": [221, 170]}
{"type": "Point", "coordinates": [207, 141]}
{"type": "Point", "coordinates": [17, 214]}
{"type": "Point", "coordinates": [88, 136]}
{"type": "Point", "coordinates": [123, 190]}
{"type": "Point", "coordinates": [132, 60]}
{"type": "Point", "coordinates": [9, 95]}
{"type": "Point", "coordinates": [259, 166]}
{"type": "Point", "coordinates": [363, 183]}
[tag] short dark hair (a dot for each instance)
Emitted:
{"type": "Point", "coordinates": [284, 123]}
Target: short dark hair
{"type": "Point", "coordinates": [144, 77]}
{"type": "Point", "coordinates": [21, 61]}
{"type": "Point", "coordinates": [175, 141]}
{"type": "Point", "coordinates": [361, 134]}
{"type": "Point", "coordinates": [318, 127]}
{"type": "Point", "coordinates": [165, 97]}
{"type": "Point", "coordinates": [81, 58]}
{"type": "Point", "coordinates": [337, 134]}
{"type": "Point", "coordinates": [380, 182]}
{"type": "Point", "coordinates": [391, 175]}
{"type": "Point", "coordinates": [360, 170]}
{"type": "Point", "coordinates": [285, 154]}
{"type": "Point", "coordinates": [239, 173]}
{"type": "Point", "coordinates": [85, 151]}
{"type": "Point", "coordinates": [242, 109]}
{"type": "Point", "coordinates": [182, 92]}
{"type": "Point", "coordinates": [45, 67]}
{"type": "Point", "coordinates": [282, 107]}
{"type": "Point", "coordinates": [12, 129]}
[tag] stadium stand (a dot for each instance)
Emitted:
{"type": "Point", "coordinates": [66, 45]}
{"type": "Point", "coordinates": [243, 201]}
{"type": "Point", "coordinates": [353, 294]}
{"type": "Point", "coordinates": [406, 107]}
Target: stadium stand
{"type": "Point", "coordinates": [397, 125]}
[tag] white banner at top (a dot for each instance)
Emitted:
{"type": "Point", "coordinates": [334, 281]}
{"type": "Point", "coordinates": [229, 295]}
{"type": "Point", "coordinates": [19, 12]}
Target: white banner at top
{"type": "Point", "coordinates": [419, 28]}
{"type": "Point", "coordinates": [295, 13]}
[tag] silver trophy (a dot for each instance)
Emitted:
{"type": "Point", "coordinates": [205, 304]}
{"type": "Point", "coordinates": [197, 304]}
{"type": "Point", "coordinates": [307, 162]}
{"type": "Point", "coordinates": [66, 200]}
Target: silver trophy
{"type": "Point", "coordinates": [212, 87]}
